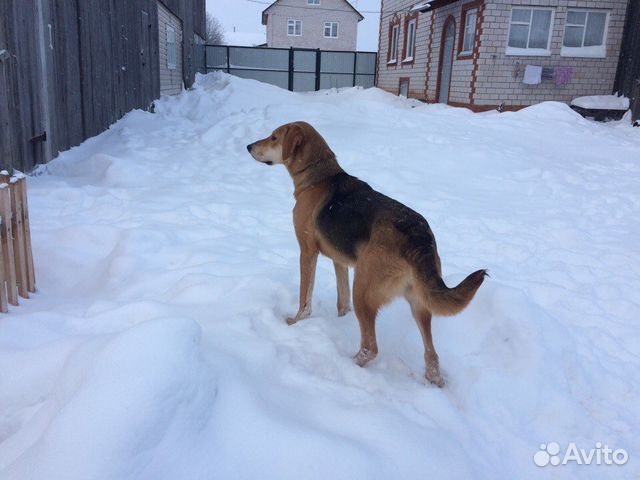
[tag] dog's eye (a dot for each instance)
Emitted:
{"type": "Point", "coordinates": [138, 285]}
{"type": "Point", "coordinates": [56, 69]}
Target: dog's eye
{"type": "Point", "coordinates": [273, 138]}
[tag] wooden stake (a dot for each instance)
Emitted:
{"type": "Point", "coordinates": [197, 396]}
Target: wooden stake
{"type": "Point", "coordinates": [6, 235]}
{"type": "Point", "coordinates": [18, 237]}
{"type": "Point", "coordinates": [4, 307]}
{"type": "Point", "coordinates": [31, 276]}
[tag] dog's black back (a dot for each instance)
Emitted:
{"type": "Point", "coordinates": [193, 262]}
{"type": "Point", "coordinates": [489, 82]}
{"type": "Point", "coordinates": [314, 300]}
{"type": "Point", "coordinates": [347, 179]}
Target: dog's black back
{"type": "Point", "coordinates": [351, 210]}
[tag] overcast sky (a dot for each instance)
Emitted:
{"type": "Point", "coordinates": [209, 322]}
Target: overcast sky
{"type": "Point", "coordinates": [244, 16]}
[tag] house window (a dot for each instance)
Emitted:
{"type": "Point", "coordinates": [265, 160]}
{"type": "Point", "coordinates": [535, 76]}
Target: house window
{"type": "Point", "coordinates": [470, 18]}
{"type": "Point", "coordinates": [530, 31]}
{"type": "Point", "coordinates": [393, 43]}
{"type": "Point", "coordinates": [331, 29]}
{"type": "Point", "coordinates": [294, 28]}
{"type": "Point", "coordinates": [410, 40]}
{"type": "Point", "coordinates": [172, 48]}
{"type": "Point", "coordinates": [585, 34]}
{"type": "Point", "coordinates": [313, 2]}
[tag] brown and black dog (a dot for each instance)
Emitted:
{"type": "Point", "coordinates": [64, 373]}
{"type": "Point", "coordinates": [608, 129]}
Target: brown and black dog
{"type": "Point", "coordinates": [391, 247]}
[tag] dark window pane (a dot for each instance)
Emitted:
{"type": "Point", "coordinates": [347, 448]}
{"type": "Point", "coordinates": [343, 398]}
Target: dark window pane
{"type": "Point", "coordinates": [540, 24]}
{"type": "Point", "coordinates": [573, 36]}
{"type": "Point", "coordinates": [576, 18]}
{"type": "Point", "coordinates": [595, 29]}
{"type": "Point", "coordinates": [521, 15]}
{"type": "Point", "coordinates": [518, 36]}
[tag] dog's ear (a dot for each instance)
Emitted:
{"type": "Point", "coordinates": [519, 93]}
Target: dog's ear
{"type": "Point", "coordinates": [293, 139]}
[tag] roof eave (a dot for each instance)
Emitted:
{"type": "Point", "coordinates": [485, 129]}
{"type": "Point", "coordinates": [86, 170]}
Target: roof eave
{"type": "Point", "coordinates": [427, 6]}
{"type": "Point", "coordinates": [264, 12]}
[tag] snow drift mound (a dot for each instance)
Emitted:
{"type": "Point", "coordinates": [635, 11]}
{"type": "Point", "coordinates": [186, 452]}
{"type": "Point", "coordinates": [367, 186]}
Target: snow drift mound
{"type": "Point", "coordinates": [156, 347]}
{"type": "Point", "coordinates": [115, 400]}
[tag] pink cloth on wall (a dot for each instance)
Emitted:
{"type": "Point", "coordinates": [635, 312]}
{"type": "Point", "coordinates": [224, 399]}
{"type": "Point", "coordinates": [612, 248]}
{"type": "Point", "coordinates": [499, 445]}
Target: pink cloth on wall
{"type": "Point", "coordinates": [563, 75]}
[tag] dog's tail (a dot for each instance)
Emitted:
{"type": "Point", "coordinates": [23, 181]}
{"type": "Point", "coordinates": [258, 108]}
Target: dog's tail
{"type": "Point", "coordinates": [421, 253]}
{"type": "Point", "coordinates": [446, 301]}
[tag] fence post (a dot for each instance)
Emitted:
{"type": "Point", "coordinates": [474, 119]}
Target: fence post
{"type": "Point", "coordinates": [355, 66]}
{"type": "Point", "coordinates": [31, 276]}
{"type": "Point", "coordinates": [4, 306]}
{"type": "Point", "coordinates": [228, 60]}
{"type": "Point", "coordinates": [17, 225]}
{"type": "Point", "coordinates": [206, 64]}
{"type": "Point", "coordinates": [6, 231]}
{"type": "Point", "coordinates": [318, 67]}
{"type": "Point", "coordinates": [375, 71]}
{"type": "Point", "coordinates": [291, 69]}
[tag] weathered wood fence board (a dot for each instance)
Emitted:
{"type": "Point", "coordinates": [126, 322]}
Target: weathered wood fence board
{"type": "Point", "coordinates": [8, 257]}
{"type": "Point", "coordinates": [17, 272]}
{"type": "Point", "coordinates": [71, 68]}
{"type": "Point", "coordinates": [21, 113]}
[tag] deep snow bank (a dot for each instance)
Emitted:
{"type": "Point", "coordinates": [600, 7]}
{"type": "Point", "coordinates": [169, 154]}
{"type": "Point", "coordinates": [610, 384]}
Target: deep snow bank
{"type": "Point", "coordinates": [156, 346]}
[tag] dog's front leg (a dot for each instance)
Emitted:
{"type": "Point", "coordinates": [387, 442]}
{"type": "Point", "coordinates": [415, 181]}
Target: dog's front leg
{"type": "Point", "coordinates": [344, 292]}
{"type": "Point", "coordinates": [308, 261]}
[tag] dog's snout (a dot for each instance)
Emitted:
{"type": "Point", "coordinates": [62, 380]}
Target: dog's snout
{"type": "Point", "coordinates": [249, 147]}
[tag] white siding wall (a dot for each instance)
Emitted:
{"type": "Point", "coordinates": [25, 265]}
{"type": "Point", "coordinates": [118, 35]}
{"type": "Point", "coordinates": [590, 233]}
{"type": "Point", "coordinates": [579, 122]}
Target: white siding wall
{"type": "Point", "coordinates": [170, 79]}
{"type": "Point", "coordinates": [313, 19]}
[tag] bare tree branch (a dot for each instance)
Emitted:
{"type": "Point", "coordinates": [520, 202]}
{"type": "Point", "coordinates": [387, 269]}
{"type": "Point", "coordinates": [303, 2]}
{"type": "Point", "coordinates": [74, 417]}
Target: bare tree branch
{"type": "Point", "coordinates": [214, 31]}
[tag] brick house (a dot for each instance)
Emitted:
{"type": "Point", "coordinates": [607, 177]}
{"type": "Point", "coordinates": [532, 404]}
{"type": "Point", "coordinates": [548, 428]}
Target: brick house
{"type": "Point", "coordinates": [324, 24]}
{"type": "Point", "coordinates": [486, 53]}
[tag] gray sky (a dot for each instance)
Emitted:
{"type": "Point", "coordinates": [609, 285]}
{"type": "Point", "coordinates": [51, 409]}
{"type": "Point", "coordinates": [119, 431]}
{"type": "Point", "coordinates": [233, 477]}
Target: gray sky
{"type": "Point", "coordinates": [244, 16]}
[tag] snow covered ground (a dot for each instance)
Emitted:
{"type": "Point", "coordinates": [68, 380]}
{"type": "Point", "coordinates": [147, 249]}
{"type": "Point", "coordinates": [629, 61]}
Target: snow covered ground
{"type": "Point", "coordinates": [156, 347]}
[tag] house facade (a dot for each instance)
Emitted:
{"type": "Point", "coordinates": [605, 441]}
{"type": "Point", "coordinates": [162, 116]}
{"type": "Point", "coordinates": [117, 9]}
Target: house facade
{"type": "Point", "coordinates": [323, 24]}
{"type": "Point", "coordinates": [484, 54]}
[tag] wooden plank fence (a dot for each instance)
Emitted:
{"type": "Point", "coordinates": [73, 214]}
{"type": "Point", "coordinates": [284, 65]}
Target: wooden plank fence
{"type": "Point", "coordinates": [70, 68]}
{"type": "Point", "coordinates": [17, 271]}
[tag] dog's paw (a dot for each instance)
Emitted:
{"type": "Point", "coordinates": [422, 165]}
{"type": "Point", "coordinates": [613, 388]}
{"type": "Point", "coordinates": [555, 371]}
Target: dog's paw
{"type": "Point", "coordinates": [291, 320]}
{"type": "Point", "coordinates": [363, 357]}
{"type": "Point", "coordinates": [342, 311]}
{"type": "Point", "coordinates": [435, 378]}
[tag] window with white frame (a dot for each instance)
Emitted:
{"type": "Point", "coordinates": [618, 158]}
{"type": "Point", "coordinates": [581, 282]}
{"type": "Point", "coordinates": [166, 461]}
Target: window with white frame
{"type": "Point", "coordinates": [331, 29]}
{"type": "Point", "coordinates": [469, 34]}
{"type": "Point", "coordinates": [294, 28]}
{"type": "Point", "coordinates": [411, 40]}
{"type": "Point", "coordinates": [172, 48]}
{"type": "Point", "coordinates": [313, 2]}
{"type": "Point", "coordinates": [393, 44]}
{"type": "Point", "coordinates": [530, 31]}
{"type": "Point", "coordinates": [585, 33]}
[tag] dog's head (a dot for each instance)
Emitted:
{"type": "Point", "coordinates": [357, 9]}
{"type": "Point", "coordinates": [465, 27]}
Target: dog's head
{"type": "Point", "coordinates": [281, 146]}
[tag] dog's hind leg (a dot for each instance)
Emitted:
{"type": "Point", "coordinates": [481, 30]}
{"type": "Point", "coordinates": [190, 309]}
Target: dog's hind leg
{"type": "Point", "coordinates": [378, 279]}
{"type": "Point", "coordinates": [422, 317]}
{"type": "Point", "coordinates": [308, 261]}
{"type": "Point", "coordinates": [366, 311]}
{"type": "Point", "coordinates": [344, 291]}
